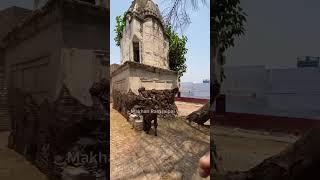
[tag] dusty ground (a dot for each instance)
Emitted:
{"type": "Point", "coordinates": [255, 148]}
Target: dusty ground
{"type": "Point", "coordinates": [173, 154]}
{"type": "Point", "coordinates": [185, 108]}
{"type": "Point", "coordinates": [243, 149]}
{"type": "Point", "coordinates": [13, 166]}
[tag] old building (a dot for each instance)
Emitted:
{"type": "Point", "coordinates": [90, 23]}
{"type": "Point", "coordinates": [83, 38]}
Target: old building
{"type": "Point", "coordinates": [64, 42]}
{"type": "Point", "coordinates": [8, 19]}
{"type": "Point", "coordinates": [53, 61]}
{"type": "Point", "coordinates": [144, 51]}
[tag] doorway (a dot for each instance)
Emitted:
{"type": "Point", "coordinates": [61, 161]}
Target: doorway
{"type": "Point", "coordinates": [136, 52]}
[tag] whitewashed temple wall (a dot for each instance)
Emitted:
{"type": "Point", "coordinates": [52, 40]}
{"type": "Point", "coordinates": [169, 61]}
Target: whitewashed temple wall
{"type": "Point", "coordinates": [153, 44]}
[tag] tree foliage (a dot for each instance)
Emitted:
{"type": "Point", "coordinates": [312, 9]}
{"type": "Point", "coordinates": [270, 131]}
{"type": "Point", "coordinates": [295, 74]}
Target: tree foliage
{"type": "Point", "coordinates": [121, 24]}
{"type": "Point", "coordinates": [177, 51]}
{"type": "Point", "coordinates": [228, 21]}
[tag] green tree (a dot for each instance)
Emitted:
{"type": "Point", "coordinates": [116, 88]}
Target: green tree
{"type": "Point", "coordinates": [177, 52]}
{"type": "Point", "coordinates": [121, 24]}
{"type": "Point", "coordinates": [227, 20]}
{"type": "Point", "coordinates": [227, 23]}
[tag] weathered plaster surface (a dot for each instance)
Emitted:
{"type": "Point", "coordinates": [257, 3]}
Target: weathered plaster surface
{"type": "Point", "coordinates": [133, 76]}
{"type": "Point", "coordinates": [80, 69]}
{"type": "Point", "coordinates": [39, 48]}
{"type": "Point", "coordinates": [154, 45]}
{"type": "Point", "coordinates": [32, 64]}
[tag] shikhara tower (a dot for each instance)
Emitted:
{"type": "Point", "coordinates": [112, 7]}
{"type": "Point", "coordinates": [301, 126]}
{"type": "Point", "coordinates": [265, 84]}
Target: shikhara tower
{"type": "Point", "coordinates": [144, 39]}
{"type": "Point", "coordinates": [144, 50]}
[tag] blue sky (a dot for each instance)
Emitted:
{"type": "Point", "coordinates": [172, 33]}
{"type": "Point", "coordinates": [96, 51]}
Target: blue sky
{"type": "Point", "coordinates": [198, 33]}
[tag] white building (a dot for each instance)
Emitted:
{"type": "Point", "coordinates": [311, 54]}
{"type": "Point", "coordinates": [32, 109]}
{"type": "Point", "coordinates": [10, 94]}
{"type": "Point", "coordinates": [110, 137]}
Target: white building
{"type": "Point", "coordinates": [144, 51]}
{"type": "Point", "coordinates": [292, 92]}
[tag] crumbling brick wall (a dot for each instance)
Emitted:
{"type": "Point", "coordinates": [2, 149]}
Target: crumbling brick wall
{"type": "Point", "coordinates": [163, 100]}
{"type": "Point", "coordinates": [46, 133]}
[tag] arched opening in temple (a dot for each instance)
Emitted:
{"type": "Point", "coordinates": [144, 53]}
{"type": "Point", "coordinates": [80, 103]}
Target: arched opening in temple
{"type": "Point", "coordinates": [136, 51]}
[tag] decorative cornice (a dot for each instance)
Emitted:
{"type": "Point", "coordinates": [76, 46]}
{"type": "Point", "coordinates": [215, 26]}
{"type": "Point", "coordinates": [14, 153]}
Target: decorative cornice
{"type": "Point", "coordinates": [54, 11]}
{"type": "Point", "coordinates": [131, 64]}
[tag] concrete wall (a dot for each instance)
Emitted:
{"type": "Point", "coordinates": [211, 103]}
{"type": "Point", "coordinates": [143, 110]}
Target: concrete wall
{"type": "Point", "coordinates": [154, 46]}
{"type": "Point", "coordinates": [245, 81]}
{"type": "Point", "coordinates": [293, 92]}
{"type": "Point", "coordinates": [83, 31]}
{"type": "Point", "coordinates": [120, 81]}
{"type": "Point", "coordinates": [134, 77]}
{"type": "Point", "coordinates": [37, 64]}
{"type": "Point", "coordinates": [32, 64]}
{"type": "Point", "coordinates": [79, 70]}
{"type": "Point", "coordinates": [139, 77]}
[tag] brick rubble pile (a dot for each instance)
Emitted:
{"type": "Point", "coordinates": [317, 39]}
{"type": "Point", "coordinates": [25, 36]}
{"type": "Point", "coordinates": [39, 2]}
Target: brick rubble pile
{"type": "Point", "coordinates": [161, 101]}
{"type": "Point", "coordinates": [64, 139]}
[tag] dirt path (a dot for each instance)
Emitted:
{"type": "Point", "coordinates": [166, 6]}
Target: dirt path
{"type": "Point", "coordinates": [173, 154]}
{"type": "Point", "coordinates": [13, 166]}
{"type": "Point", "coordinates": [243, 149]}
{"type": "Point", "coordinates": [185, 108]}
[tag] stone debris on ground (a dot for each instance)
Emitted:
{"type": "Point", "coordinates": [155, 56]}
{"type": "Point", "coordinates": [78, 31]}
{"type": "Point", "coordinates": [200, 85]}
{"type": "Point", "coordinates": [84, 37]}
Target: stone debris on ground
{"type": "Point", "coordinates": [173, 154]}
{"type": "Point", "coordinates": [298, 161]}
{"type": "Point", "coordinates": [48, 133]}
{"type": "Point", "coordinates": [156, 100]}
{"type": "Point", "coordinates": [201, 115]}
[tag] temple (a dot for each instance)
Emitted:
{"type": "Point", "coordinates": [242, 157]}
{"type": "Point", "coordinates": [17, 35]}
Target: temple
{"type": "Point", "coordinates": [144, 49]}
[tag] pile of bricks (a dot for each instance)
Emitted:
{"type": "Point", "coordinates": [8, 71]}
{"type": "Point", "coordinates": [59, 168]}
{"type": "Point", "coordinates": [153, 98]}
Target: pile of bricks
{"type": "Point", "coordinates": [47, 134]}
{"type": "Point", "coordinates": [162, 101]}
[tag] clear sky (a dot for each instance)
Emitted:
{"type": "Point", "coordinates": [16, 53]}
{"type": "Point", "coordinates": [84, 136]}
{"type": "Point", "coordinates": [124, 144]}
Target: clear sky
{"type": "Point", "coordinates": [278, 32]}
{"type": "Point", "coordinates": [198, 33]}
